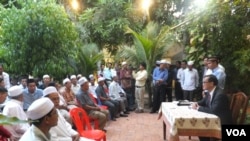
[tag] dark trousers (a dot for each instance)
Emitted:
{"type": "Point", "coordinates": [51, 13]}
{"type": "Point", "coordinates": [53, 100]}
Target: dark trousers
{"type": "Point", "coordinates": [130, 98]}
{"type": "Point", "coordinates": [169, 94]}
{"type": "Point", "coordinates": [178, 91]}
{"type": "Point", "coordinates": [188, 95]}
{"type": "Point", "coordinates": [113, 107]}
{"type": "Point", "coordinates": [159, 96]}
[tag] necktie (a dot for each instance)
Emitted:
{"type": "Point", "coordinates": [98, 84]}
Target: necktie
{"type": "Point", "coordinates": [208, 99]}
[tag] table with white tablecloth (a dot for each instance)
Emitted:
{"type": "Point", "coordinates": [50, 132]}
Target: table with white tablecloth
{"type": "Point", "coordinates": [184, 121]}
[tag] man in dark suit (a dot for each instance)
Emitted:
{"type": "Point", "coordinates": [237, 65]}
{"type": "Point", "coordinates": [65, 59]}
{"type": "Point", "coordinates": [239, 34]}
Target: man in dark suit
{"type": "Point", "coordinates": [214, 101]}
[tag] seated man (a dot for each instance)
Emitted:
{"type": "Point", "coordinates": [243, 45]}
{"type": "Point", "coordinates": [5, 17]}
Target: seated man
{"type": "Point", "coordinates": [214, 102]}
{"type": "Point", "coordinates": [117, 94]}
{"type": "Point", "coordinates": [44, 115]}
{"type": "Point", "coordinates": [63, 131]}
{"type": "Point", "coordinates": [31, 93]}
{"type": "Point", "coordinates": [87, 104]}
{"type": "Point", "coordinates": [3, 97]}
{"type": "Point", "coordinates": [113, 105]}
{"type": "Point", "coordinates": [68, 94]}
{"type": "Point", "coordinates": [14, 108]}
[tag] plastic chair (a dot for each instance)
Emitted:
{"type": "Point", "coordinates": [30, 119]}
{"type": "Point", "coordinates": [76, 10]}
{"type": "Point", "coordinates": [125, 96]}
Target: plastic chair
{"type": "Point", "coordinates": [238, 106]}
{"type": "Point", "coordinates": [81, 120]}
{"type": "Point", "coordinates": [98, 102]}
{"type": "Point", "coordinates": [4, 134]}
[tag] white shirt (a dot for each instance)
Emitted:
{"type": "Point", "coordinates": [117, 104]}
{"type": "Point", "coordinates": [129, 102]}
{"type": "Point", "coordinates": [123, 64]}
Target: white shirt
{"type": "Point", "coordinates": [92, 90]}
{"type": "Point", "coordinates": [189, 79]}
{"type": "Point", "coordinates": [6, 79]}
{"type": "Point", "coordinates": [34, 134]}
{"type": "Point", "coordinates": [75, 88]}
{"type": "Point", "coordinates": [14, 108]}
{"type": "Point", "coordinates": [114, 90]}
{"type": "Point", "coordinates": [63, 131]}
{"type": "Point", "coordinates": [179, 74]}
{"type": "Point", "coordinates": [140, 77]}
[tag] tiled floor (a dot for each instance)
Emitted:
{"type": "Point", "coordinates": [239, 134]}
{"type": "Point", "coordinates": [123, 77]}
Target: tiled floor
{"type": "Point", "coordinates": [138, 127]}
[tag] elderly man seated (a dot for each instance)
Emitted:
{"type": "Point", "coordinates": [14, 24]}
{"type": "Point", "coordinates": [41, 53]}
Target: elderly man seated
{"type": "Point", "coordinates": [116, 93]}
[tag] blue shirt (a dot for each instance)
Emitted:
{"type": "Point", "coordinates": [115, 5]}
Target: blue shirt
{"type": "Point", "coordinates": [28, 97]}
{"type": "Point", "coordinates": [221, 76]}
{"type": "Point", "coordinates": [160, 74]}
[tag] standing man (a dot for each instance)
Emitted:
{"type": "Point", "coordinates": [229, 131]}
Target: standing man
{"type": "Point", "coordinates": [140, 83]}
{"type": "Point", "coordinates": [107, 74]}
{"type": "Point", "coordinates": [5, 76]}
{"type": "Point", "coordinates": [126, 84]}
{"type": "Point", "coordinates": [189, 81]}
{"type": "Point", "coordinates": [31, 94]}
{"type": "Point", "coordinates": [179, 77]}
{"type": "Point", "coordinates": [14, 108]}
{"type": "Point", "coordinates": [87, 104]}
{"type": "Point", "coordinates": [220, 74]}
{"type": "Point", "coordinates": [160, 76]}
{"type": "Point", "coordinates": [44, 116]}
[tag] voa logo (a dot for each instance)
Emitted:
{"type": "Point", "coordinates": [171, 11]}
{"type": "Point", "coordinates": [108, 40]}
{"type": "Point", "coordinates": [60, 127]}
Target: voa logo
{"type": "Point", "coordinates": [236, 132]}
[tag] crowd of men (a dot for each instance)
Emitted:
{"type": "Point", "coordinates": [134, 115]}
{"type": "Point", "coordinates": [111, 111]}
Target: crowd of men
{"type": "Point", "coordinates": [105, 97]}
{"type": "Point", "coordinates": [113, 93]}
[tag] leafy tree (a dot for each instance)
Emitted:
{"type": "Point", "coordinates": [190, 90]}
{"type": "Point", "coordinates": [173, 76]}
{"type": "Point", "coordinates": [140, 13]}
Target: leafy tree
{"type": "Point", "coordinates": [104, 22]}
{"type": "Point", "coordinates": [222, 30]}
{"type": "Point", "coordinates": [38, 40]}
{"type": "Point", "coordinates": [87, 58]}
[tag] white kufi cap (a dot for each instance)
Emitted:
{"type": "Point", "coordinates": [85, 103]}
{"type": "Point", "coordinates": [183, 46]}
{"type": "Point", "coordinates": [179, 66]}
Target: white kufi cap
{"type": "Point", "coordinates": [15, 91]}
{"type": "Point", "coordinates": [39, 108]}
{"type": "Point", "coordinates": [82, 80]}
{"type": "Point", "coordinates": [45, 76]}
{"type": "Point", "coordinates": [66, 80]}
{"type": "Point", "coordinates": [163, 61]}
{"type": "Point", "coordinates": [49, 90]}
{"type": "Point", "coordinates": [101, 79]}
{"type": "Point", "coordinates": [73, 77]}
{"type": "Point", "coordinates": [190, 62]}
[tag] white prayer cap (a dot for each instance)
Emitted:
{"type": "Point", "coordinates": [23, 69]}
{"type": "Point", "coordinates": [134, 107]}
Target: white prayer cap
{"type": "Point", "coordinates": [163, 61]}
{"type": "Point", "coordinates": [91, 76]}
{"type": "Point", "coordinates": [73, 77]}
{"type": "Point", "coordinates": [45, 76]}
{"type": "Point", "coordinates": [65, 81]}
{"type": "Point", "coordinates": [190, 63]}
{"type": "Point", "coordinates": [101, 79]}
{"type": "Point", "coordinates": [158, 62]}
{"type": "Point", "coordinates": [79, 76]}
{"type": "Point", "coordinates": [124, 63]}
{"type": "Point", "coordinates": [39, 108]}
{"type": "Point", "coordinates": [15, 91]}
{"type": "Point", "coordinates": [49, 90]}
{"type": "Point", "coordinates": [82, 80]}
{"type": "Point", "coordinates": [168, 62]}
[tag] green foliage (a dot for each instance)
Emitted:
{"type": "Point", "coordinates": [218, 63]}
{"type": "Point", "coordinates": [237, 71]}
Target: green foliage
{"type": "Point", "coordinates": [88, 56]}
{"type": "Point", "coordinates": [5, 120]}
{"type": "Point", "coordinates": [105, 21]}
{"type": "Point", "coordinates": [38, 40]}
{"type": "Point", "coordinates": [222, 30]}
{"type": "Point", "coordinates": [149, 45]}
